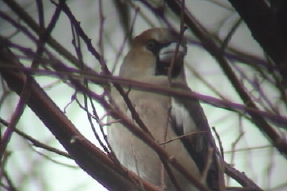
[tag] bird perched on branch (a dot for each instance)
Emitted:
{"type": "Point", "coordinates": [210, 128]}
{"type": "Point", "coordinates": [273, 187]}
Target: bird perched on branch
{"type": "Point", "coordinates": [156, 57]}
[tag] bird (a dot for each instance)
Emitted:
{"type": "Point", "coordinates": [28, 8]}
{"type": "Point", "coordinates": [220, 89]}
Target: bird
{"type": "Point", "coordinates": [178, 123]}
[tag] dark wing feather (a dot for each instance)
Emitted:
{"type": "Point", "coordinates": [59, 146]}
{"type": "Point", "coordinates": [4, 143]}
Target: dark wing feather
{"type": "Point", "coordinates": [196, 144]}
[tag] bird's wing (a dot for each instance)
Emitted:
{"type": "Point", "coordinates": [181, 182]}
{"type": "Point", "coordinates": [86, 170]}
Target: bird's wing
{"type": "Point", "coordinates": [188, 118]}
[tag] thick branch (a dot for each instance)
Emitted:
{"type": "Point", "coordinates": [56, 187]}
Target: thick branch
{"type": "Point", "coordinates": [266, 31]}
{"type": "Point", "coordinates": [208, 43]}
{"type": "Point", "coordinates": [86, 155]}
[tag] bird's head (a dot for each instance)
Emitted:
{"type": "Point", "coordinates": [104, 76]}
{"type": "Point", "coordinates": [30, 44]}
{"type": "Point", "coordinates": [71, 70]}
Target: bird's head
{"type": "Point", "coordinates": [152, 53]}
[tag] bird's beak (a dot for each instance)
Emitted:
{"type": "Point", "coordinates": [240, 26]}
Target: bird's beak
{"type": "Point", "coordinates": [169, 52]}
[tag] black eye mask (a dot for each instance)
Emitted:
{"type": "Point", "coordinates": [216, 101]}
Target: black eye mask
{"type": "Point", "coordinates": [162, 67]}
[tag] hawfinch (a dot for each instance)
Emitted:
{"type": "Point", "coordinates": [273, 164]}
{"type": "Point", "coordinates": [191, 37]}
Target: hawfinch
{"type": "Point", "coordinates": [166, 117]}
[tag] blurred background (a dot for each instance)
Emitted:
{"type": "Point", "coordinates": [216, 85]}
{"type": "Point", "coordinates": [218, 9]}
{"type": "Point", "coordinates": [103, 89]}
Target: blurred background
{"type": "Point", "coordinates": [111, 24]}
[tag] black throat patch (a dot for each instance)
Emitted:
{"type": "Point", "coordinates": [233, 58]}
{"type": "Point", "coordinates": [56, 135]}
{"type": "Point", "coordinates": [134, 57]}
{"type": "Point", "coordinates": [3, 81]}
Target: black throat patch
{"type": "Point", "coordinates": [163, 67]}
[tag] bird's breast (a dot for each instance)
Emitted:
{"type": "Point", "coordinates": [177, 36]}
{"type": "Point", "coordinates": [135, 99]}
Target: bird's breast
{"type": "Point", "coordinates": [137, 156]}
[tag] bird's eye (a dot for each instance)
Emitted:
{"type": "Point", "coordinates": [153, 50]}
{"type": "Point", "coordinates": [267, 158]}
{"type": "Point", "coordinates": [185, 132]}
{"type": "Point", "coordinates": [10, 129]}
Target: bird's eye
{"type": "Point", "coordinates": [151, 44]}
